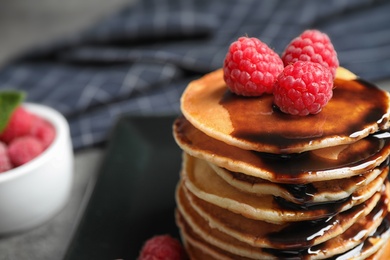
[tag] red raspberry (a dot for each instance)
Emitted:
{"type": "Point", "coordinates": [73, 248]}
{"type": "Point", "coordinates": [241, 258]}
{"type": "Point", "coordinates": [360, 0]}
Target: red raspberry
{"type": "Point", "coordinates": [251, 67]}
{"type": "Point", "coordinates": [44, 131]}
{"type": "Point", "coordinates": [19, 125]}
{"type": "Point", "coordinates": [312, 45]}
{"type": "Point", "coordinates": [23, 149]}
{"type": "Point", "coordinates": [5, 163]}
{"type": "Point", "coordinates": [303, 88]}
{"type": "Point", "coordinates": [162, 247]}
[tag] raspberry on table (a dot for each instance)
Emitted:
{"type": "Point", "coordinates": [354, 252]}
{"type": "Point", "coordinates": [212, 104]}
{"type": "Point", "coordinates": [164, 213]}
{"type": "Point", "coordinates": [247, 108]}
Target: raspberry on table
{"type": "Point", "coordinates": [162, 247]}
{"type": "Point", "coordinates": [23, 149]}
{"type": "Point", "coordinates": [303, 88]}
{"type": "Point", "coordinates": [251, 67]}
{"type": "Point", "coordinates": [312, 45]}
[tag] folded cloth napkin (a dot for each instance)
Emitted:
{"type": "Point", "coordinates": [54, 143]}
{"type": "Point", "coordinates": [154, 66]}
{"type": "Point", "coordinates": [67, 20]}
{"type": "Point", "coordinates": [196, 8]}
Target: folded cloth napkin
{"type": "Point", "coordinates": [139, 60]}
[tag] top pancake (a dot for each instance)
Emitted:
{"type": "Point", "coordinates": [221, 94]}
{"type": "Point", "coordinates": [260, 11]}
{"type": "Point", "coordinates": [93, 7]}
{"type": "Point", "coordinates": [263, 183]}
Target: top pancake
{"type": "Point", "coordinates": [356, 110]}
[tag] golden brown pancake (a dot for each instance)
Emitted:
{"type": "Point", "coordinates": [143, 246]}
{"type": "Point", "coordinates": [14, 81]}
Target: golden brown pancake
{"type": "Point", "coordinates": [317, 192]}
{"type": "Point", "coordinates": [198, 249]}
{"type": "Point", "coordinates": [383, 253]}
{"type": "Point", "coordinates": [364, 228]}
{"type": "Point", "coordinates": [219, 240]}
{"type": "Point", "coordinates": [313, 166]}
{"type": "Point", "coordinates": [204, 183]}
{"type": "Point", "coordinates": [289, 235]}
{"type": "Point", "coordinates": [255, 124]}
{"type": "Point", "coordinates": [262, 234]}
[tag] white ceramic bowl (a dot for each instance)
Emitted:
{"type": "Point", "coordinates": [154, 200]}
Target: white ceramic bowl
{"type": "Point", "coordinates": [34, 192]}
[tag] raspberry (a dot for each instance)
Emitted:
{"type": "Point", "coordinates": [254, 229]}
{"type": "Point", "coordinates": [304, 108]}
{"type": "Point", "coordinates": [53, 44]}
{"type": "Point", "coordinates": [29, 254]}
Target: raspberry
{"type": "Point", "coordinates": [23, 149]}
{"type": "Point", "coordinates": [44, 131]}
{"type": "Point", "coordinates": [251, 67]}
{"type": "Point", "coordinates": [312, 45]}
{"type": "Point", "coordinates": [19, 125]}
{"type": "Point", "coordinates": [5, 163]}
{"type": "Point", "coordinates": [162, 247]}
{"type": "Point", "coordinates": [303, 88]}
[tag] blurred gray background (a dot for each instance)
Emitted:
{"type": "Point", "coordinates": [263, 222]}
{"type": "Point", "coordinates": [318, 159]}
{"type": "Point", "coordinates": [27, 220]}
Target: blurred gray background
{"type": "Point", "coordinates": [24, 24]}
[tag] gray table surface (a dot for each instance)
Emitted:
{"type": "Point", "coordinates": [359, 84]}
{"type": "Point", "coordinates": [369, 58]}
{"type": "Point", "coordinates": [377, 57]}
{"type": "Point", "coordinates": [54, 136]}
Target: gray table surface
{"type": "Point", "coordinates": [24, 24]}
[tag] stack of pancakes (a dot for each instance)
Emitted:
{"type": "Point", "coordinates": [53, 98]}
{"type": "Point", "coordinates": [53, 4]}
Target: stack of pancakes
{"type": "Point", "coordinates": [260, 184]}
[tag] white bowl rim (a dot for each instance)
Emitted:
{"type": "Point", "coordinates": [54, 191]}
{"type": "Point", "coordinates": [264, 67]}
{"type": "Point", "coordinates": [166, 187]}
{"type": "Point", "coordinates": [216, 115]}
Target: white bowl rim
{"type": "Point", "coordinates": [61, 127]}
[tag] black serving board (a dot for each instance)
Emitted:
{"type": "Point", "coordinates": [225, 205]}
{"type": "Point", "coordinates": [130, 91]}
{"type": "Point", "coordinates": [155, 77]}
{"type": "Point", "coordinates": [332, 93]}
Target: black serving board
{"type": "Point", "coordinates": [133, 196]}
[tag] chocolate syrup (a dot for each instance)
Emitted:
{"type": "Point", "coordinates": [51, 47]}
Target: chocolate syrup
{"type": "Point", "coordinates": [287, 168]}
{"type": "Point", "coordinates": [302, 234]}
{"type": "Point", "coordinates": [302, 192]}
{"type": "Point", "coordinates": [306, 249]}
{"type": "Point", "coordinates": [355, 105]}
{"type": "Point", "coordinates": [330, 207]}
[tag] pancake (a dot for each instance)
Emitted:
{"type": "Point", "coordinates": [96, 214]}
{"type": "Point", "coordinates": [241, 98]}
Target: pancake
{"type": "Point", "coordinates": [313, 166]}
{"type": "Point", "coordinates": [289, 235]}
{"type": "Point", "coordinates": [212, 236]}
{"type": "Point", "coordinates": [198, 249]}
{"type": "Point", "coordinates": [254, 124]}
{"type": "Point", "coordinates": [204, 183]}
{"type": "Point", "coordinates": [361, 230]}
{"type": "Point", "coordinates": [317, 192]}
{"type": "Point", "coordinates": [382, 254]}
{"type": "Point", "coordinates": [256, 183]}
{"type": "Point", "coordinates": [262, 234]}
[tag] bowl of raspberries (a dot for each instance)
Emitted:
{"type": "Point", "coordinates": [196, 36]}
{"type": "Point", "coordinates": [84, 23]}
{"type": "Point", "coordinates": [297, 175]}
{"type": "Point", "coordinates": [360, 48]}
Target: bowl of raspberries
{"type": "Point", "coordinates": [36, 163]}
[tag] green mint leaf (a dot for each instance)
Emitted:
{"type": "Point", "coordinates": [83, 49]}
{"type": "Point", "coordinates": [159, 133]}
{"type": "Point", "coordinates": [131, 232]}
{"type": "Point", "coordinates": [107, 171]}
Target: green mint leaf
{"type": "Point", "coordinates": [9, 100]}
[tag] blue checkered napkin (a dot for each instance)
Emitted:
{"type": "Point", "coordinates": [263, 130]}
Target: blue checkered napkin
{"type": "Point", "coordinates": [139, 60]}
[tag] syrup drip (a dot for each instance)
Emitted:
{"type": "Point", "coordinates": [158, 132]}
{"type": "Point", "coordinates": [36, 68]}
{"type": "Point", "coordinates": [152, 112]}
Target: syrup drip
{"type": "Point", "coordinates": [330, 207]}
{"type": "Point", "coordinates": [288, 168]}
{"type": "Point", "coordinates": [302, 232]}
